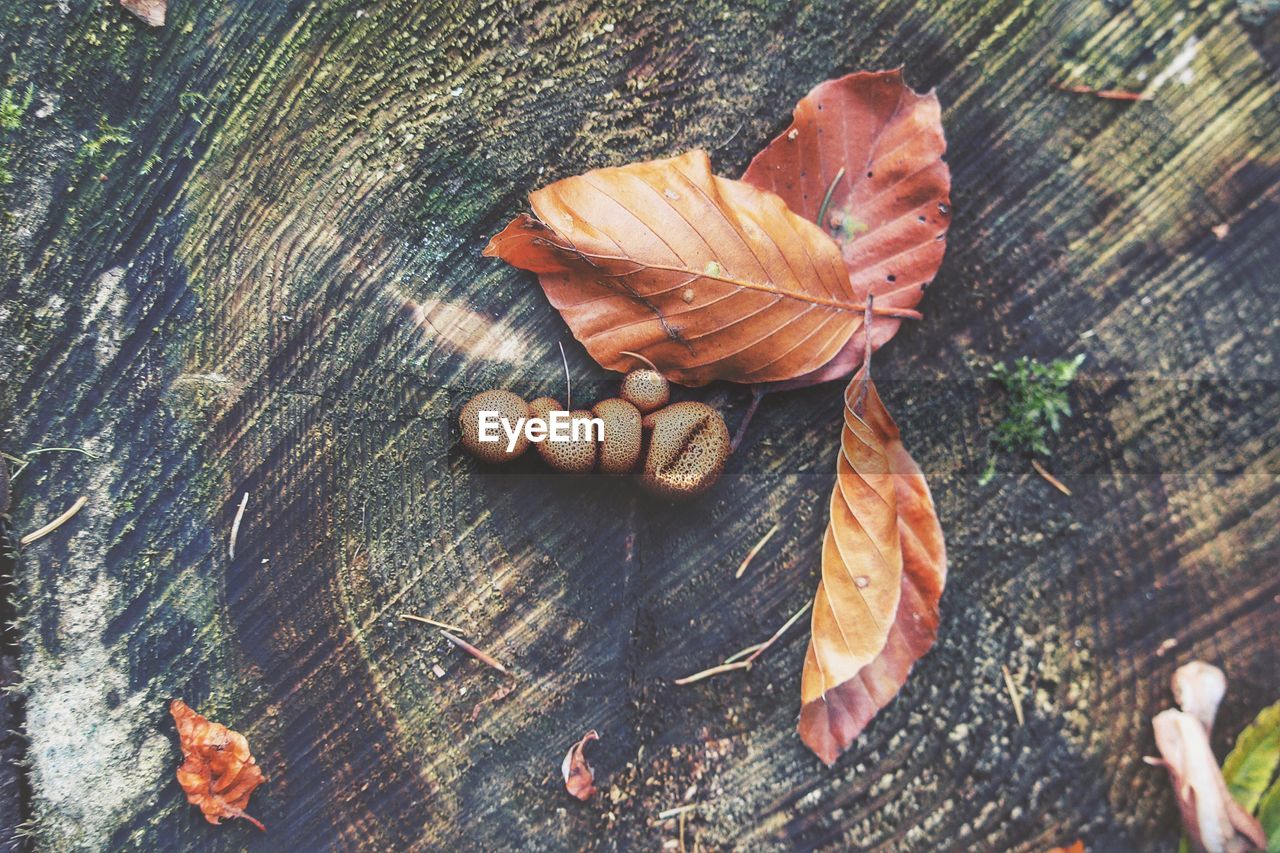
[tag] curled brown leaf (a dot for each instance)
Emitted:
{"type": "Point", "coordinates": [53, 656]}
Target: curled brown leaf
{"type": "Point", "coordinates": [579, 777]}
{"type": "Point", "coordinates": [150, 11]}
{"type": "Point", "coordinates": [218, 772]}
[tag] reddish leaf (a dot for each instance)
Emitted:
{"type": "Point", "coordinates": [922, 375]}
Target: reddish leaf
{"type": "Point", "coordinates": [150, 11]}
{"type": "Point", "coordinates": [1211, 817]}
{"type": "Point", "coordinates": [218, 772]}
{"type": "Point", "coordinates": [579, 777]}
{"type": "Point", "coordinates": [836, 709]}
{"type": "Point", "coordinates": [1074, 847]}
{"type": "Point", "coordinates": [876, 146]}
{"type": "Point", "coordinates": [705, 277]}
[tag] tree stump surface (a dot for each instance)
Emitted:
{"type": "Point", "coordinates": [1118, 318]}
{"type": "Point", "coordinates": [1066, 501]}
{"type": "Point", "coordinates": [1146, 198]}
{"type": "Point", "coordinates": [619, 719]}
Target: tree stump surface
{"type": "Point", "coordinates": [241, 255]}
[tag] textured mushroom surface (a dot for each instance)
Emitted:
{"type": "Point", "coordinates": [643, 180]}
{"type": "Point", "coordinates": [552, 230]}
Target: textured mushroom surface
{"type": "Point", "coordinates": [542, 407]}
{"type": "Point", "coordinates": [510, 408]}
{"type": "Point", "coordinates": [571, 457]}
{"type": "Point", "coordinates": [647, 390]}
{"type": "Point", "coordinates": [623, 435]}
{"type": "Point", "coordinates": [687, 450]}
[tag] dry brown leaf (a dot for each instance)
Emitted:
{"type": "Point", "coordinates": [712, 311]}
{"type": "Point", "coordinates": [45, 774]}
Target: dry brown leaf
{"type": "Point", "coordinates": [871, 149]}
{"type": "Point", "coordinates": [150, 11]}
{"type": "Point", "coordinates": [579, 777]}
{"type": "Point", "coordinates": [1214, 821]}
{"type": "Point", "coordinates": [831, 719]}
{"type": "Point", "coordinates": [705, 277]}
{"type": "Point", "coordinates": [218, 772]}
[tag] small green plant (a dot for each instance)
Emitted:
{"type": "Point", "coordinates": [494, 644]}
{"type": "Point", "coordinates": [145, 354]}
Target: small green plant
{"type": "Point", "coordinates": [12, 108]}
{"type": "Point", "coordinates": [1037, 404]}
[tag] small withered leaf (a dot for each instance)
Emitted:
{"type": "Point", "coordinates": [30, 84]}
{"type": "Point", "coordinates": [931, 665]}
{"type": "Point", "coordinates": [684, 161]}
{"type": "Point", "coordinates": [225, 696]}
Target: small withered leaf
{"type": "Point", "coordinates": [150, 11]}
{"type": "Point", "coordinates": [579, 777]}
{"type": "Point", "coordinates": [218, 772]}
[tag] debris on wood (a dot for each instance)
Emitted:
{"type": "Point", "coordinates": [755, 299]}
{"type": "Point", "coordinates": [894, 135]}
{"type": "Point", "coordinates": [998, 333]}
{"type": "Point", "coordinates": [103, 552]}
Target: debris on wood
{"type": "Point", "coordinates": [751, 555]}
{"type": "Point", "coordinates": [676, 811]}
{"type": "Point", "coordinates": [1104, 94]}
{"type": "Point", "coordinates": [152, 12]}
{"type": "Point", "coordinates": [235, 527]}
{"type": "Point", "coordinates": [479, 655]}
{"type": "Point", "coordinates": [498, 695]}
{"type": "Point", "coordinates": [579, 777]}
{"type": "Point", "coordinates": [752, 652]}
{"type": "Point", "coordinates": [1014, 696]}
{"type": "Point", "coordinates": [1167, 645]}
{"type": "Point", "coordinates": [434, 623]}
{"type": "Point", "coordinates": [1049, 478]}
{"type": "Point", "coordinates": [1074, 847]}
{"type": "Point", "coordinates": [218, 772]}
{"type": "Point", "coordinates": [37, 535]}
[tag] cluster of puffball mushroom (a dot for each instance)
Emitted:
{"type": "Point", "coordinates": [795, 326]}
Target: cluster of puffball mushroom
{"type": "Point", "coordinates": [678, 449]}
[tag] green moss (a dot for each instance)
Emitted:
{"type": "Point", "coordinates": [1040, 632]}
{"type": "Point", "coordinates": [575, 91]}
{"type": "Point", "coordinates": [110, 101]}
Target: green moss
{"type": "Point", "coordinates": [1037, 395]}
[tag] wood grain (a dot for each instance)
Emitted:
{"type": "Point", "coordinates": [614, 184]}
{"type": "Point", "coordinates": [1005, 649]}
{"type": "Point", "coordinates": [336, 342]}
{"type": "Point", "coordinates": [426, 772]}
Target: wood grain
{"type": "Point", "coordinates": [245, 298]}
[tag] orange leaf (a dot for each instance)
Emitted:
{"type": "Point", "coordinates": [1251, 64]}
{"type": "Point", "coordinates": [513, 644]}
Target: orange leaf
{"type": "Point", "coordinates": [841, 690]}
{"type": "Point", "coordinates": [151, 11]}
{"type": "Point", "coordinates": [579, 777]}
{"type": "Point", "coordinates": [218, 772]}
{"type": "Point", "coordinates": [1074, 847]}
{"type": "Point", "coordinates": [705, 277]}
{"type": "Point", "coordinates": [871, 148]}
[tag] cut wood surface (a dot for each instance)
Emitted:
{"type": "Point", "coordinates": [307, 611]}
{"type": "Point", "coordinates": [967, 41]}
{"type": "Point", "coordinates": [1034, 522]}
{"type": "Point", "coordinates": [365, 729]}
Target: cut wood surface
{"type": "Point", "coordinates": [241, 254]}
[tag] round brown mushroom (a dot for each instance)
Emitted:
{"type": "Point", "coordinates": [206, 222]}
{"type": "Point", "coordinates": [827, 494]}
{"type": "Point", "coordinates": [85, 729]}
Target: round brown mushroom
{"type": "Point", "coordinates": [511, 410]}
{"type": "Point", "coordinates": [542, 407]}
{"type": "Point", "coordinates": [687, 450]}
{"type": "Point", "coordinates": [647, 390]}
{"type": "Point", "coordinates": [571, 457]}
{"type": "Point", "coordinates": [620, 448]}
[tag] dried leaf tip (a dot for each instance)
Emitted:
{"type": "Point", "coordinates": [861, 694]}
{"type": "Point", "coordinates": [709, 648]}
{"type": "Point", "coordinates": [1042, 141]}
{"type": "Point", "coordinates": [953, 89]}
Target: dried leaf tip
{"type": "Point", "coordinates": [579, 776]}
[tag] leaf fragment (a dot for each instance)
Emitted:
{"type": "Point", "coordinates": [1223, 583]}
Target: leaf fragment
{"type": "Point", "coordinates": [152, 12]}
{"type": "Point", "coordinates": [1252, 763]}
{"type": "Point", "coordinates": [218, 772]}
{"type": "Point", "coordinates": [1214, 821]}
{"type": "Point", "coordinates": [619, 251]}
{"type": "Point", "coordinates": [579, 776]}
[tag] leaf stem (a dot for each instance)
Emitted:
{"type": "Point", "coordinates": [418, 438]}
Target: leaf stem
{"type": "Point", "coordinates": [757, 394]}
{"type": "Point", "coordinates": [826, 199]}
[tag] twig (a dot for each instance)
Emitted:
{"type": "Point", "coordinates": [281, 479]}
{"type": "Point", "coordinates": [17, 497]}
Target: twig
{"type": "Point", "coordinates": [757, 394]}
{"type": "Point", "coordinates": [715, 670]}
{"type": "Point", "coordinates": [769, 642]}
{"type": "Point", "coordinates": [683, 815]}
{"type": "Point", "coordinates": [677, 810]}
{"type": "Point", "coordinates": [25, 462]}
{"type": "Point", "coordinates": [445, 625]}
{"type": "Point", "coordinates": [568, 384]}
{"type": "Point", "coordinates": [235, 527]}
{"type": "Point", "coordinates": [1014, 695]}
{"type": "Point", "coordinates": [1105, 94]}
{"type": "Point", "coordinates": [55, 524]}
{"type": "Point", "coordinates": [638, 357]}
{"type": "Point", "coordinates": [751, 555]}
{"type": "Point", "coordinates": [742, 653]}
{"type": "Point", "coordinates": [755, 651]}
{"type": "Point", "coordinates": [1050, 479]}
{"type": "Point", "coordinates": [483, 657]}
{"type": "Point", "coordinates": [826, 199]}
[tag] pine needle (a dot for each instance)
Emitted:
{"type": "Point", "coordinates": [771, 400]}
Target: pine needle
{"type": "Point", "coordinates": [479, 655]}
{"type": "Point", "coordinates": [36, 535]}
{"type": "Point", "coordinates": [1014, 695]}
{"type": "Point", "coordinates": [1050, 479]}
{"type": "Point", "coordinates": [235, 527]}
{"type": "Point", "coordinates": [755, 651]}
{"type": "Point", "coordinates": [715, 670]}
{"type": "Point", "coordinates": [568, 384]}
{"type": "Point", "coordinates": [751, 555]}
{"type": "Point", "coordinates": [445, 625]}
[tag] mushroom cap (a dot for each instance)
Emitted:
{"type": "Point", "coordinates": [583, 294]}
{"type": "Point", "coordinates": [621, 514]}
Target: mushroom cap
{"type": "Point", "coordinates": [542, 407]}
{"type": "Point", "coordinates": [687, 450]}
{"type": "Point", "coordinates": [511, 408]}
{"type": "Point", "coordinates": [647, 390]}
{"type": "Point", "coordinates": [622, 435]}
{"type": "Point", "coordinates": [571, 457]}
